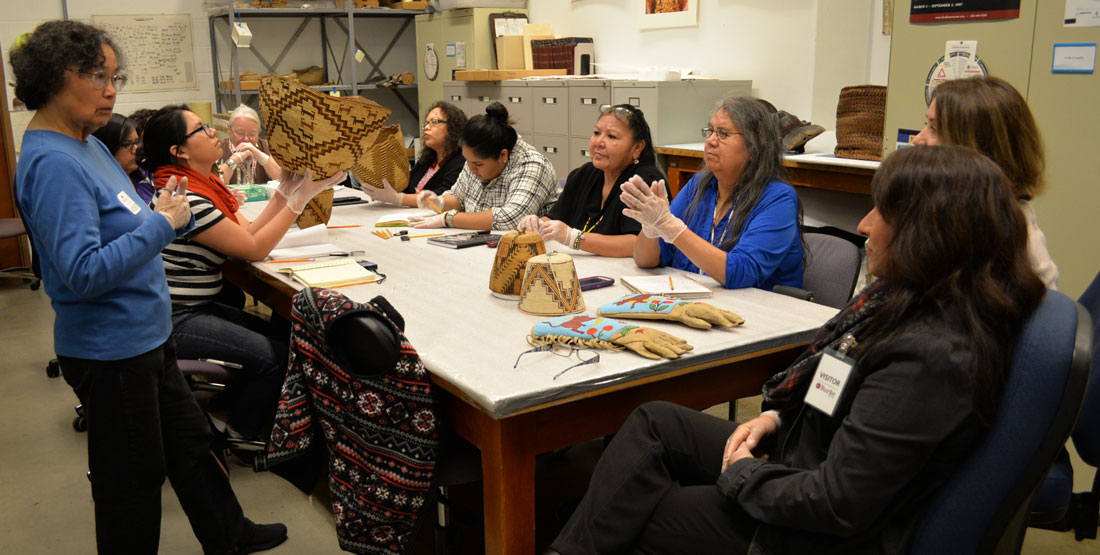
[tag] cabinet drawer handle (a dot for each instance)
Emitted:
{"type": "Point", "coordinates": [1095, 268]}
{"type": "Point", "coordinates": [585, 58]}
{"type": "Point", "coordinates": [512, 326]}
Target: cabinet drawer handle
{"type": "Point", "coordinates": [588, 101]}
{"type": "Point", "coordinates": [549, 100]}
{"type": "Point", "coordinates": [515, 99]}
{"type": "Point", "coordinates": [584, 152]}
{"type": "Point", "coordinates": [456, 98]}
{"type": "Point", "coordinates": [484, 98]}
{"type": "Point", "coordinates": [550, 149]}
{"type": "Point", "coordinates": [634, 101]}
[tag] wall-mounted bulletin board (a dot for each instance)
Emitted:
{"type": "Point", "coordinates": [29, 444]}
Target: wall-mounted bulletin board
{"type": "Point", "coordinates": [157, 50]}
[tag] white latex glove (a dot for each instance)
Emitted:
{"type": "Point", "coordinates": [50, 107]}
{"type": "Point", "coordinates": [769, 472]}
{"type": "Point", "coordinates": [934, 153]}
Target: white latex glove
{"type": "Point", "coordinates": [289, 184]}
{"type": "Point", "coordinates": [430, 200]}
{"type": "Point", "coordinates": [530, 222]}
{"type": "Point", "coordinates": [558, 231]}
{"type": "Point", "coordinates": [309, 189]}
{"type": "Point", "coordinates": [427, 222]}
{"type": "Point", "coordinates": [649, 205]}
{"type": "Point", "coordinates": [384, 194]}
{"type": "Point", "coordinates": [174, 208]}
{"type": "Point", "coordinates": [249, 150]}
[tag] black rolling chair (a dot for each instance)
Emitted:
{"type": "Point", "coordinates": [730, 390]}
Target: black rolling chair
{"type": "Point", "coordinates": [983, 508]}
{"type": "Point", "coordinates": [13, 227]}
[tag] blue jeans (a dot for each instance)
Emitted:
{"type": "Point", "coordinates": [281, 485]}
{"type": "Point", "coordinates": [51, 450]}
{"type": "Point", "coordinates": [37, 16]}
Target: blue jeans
{"type": "Point", "coordinates": [143, 425]}
{"type": "Point", "coordinates": [221, 332]}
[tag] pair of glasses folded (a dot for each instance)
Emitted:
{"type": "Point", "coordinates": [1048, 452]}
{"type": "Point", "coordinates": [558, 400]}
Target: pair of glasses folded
{"type": "Point", "coordinates": [587, 356]}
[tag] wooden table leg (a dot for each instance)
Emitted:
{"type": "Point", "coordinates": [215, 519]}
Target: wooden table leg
{"type": "Point", "coordinates": [508, 471]}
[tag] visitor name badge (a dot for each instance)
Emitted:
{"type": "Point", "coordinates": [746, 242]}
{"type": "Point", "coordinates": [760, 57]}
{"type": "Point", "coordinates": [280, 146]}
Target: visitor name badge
{"type": "Point", "coordinates": [830, 378]}
{"type": "Point", "coordinates": [128, 202]}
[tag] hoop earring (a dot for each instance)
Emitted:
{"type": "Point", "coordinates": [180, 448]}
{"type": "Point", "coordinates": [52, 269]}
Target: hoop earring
{"type": "Point", "coordinates": [636, 161]}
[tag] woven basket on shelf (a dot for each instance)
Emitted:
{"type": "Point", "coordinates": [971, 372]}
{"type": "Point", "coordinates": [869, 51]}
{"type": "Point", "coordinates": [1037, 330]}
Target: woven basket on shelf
{"type": "Point", "coordinates": [860, 118]}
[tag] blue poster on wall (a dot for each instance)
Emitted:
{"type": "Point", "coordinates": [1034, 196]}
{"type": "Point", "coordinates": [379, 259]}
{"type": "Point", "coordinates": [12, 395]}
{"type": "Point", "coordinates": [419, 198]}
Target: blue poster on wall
{"type": "Point", "coordinates": [942, 11]}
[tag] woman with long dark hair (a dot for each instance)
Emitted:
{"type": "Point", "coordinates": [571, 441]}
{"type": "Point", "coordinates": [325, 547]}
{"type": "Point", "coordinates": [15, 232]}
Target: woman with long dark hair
{"type": "Point", "coordinates": [178, 144]}
{"type": "Point", "coordinates": [736, 220]}
{"type": "Point", "coordinates": [916, 364]}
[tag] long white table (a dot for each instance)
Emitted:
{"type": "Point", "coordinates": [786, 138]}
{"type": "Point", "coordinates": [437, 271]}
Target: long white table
{"type": "Point", "coordinates": [469, 340]}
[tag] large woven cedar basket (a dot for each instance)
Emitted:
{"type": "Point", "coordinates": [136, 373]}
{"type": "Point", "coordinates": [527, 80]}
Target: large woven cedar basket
{"type": "Point", "coordinates": [860, 118]}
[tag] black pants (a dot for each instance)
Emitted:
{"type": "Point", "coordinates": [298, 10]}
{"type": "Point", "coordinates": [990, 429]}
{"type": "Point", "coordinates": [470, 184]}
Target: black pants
{"type": "Point", "coordinates": [653, 490]}
{"type": "Point", "coordinates": [143, 425]}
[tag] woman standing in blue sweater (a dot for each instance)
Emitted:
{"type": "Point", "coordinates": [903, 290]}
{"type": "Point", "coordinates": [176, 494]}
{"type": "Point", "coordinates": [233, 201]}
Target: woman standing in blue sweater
{"type": "Point", "coordinates": [99, 247]}
{"type": "Point", "coordinates": [736, 220]}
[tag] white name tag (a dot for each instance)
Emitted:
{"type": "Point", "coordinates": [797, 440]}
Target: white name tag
{"type": "Point", "coordinates": [128, 202]}
{"type": "Point", "coordinates": [829, 380]}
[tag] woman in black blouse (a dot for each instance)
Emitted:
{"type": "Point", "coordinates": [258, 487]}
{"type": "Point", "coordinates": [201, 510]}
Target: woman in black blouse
{"type": "Point", "coordinates": [589, 214]}
{"type": "Point", "coordinates": [439, 164]}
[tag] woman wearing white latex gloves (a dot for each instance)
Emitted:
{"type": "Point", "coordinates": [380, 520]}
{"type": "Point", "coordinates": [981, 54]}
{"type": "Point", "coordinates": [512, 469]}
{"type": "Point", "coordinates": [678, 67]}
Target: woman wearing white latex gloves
{"type": "Point", "coordinates": [245, 157]}
{"type": "Point", "coordinates": [440, 162]}
{"type": "Point", "coordinates": [589, 213]}
{"type": "Point", "coordinates": [177, 143]}
{"type": "Point", "coordinates": [736, 220]}
{"type": "Point", "coordinates": [99, 247]}
{"type": "Point", "coordinates": [504, 180]}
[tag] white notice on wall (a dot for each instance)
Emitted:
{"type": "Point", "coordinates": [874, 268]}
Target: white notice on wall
{"type": "Point", "coordinates": [1082, 13]}
{"type": "Point", "coordinates": [156, 49]}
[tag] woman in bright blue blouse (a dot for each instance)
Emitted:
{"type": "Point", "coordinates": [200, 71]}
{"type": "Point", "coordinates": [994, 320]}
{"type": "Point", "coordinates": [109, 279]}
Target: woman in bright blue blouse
{"type": "Point", "coordinates": [736, 220]}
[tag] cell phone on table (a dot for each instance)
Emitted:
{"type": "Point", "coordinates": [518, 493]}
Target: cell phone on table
{"type": "Point", "coordinates": [596, 282]}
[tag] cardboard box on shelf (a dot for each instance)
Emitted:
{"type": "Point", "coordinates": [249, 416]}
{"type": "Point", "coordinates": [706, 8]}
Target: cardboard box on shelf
{"type": "Point", "coordinates": [510, 52]}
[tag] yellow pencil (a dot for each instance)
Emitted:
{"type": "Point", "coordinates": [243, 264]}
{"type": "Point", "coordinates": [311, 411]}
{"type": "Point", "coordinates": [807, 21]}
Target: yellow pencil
{"type": "Point", "coordinates": [344, 226]}
{"type": "Point", "coordinates": [291, 260]}
{"type": "Point", "coordinates": [352, 283]}
{"type": "Point", "coordinates": [671, 287]}
{"type": "Point", "coordinates": [434, 207]}
{"type": "Point", "coordinates": [424, 235]}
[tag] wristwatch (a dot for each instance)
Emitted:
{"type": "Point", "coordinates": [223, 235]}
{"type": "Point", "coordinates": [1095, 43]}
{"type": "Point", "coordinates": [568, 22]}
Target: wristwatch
{"type": "Point", "coordinates": [449, 218]}
{"type": "Point", "coordinates": [231, 163]}
{"type": "Point", "coordinates": [577, 241]}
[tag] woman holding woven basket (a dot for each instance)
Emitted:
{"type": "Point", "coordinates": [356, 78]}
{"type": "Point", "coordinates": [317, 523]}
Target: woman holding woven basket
{"type": "Point", "coordinates": [736, 220]}
{"type": "Point", "coordinates": [917, 362]}
{"type": "Point", "coordinates": [177, 144]}
{"type": "Point", "coordinates": [990, 116]}
{"type": "Point", "coordinates": [245, 156]}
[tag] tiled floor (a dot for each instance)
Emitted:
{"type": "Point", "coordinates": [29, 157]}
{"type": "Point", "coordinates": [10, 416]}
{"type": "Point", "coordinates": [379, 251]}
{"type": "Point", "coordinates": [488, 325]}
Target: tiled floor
{"type": "Point", "coordinates": [47, 504]}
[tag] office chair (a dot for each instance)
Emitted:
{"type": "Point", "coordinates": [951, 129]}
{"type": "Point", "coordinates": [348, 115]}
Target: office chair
{"type": "Point", "coordinates": [1056, 506]}
{"type": "Point", "coordinates": [983, 508]}
{"type": "Point", "coordinates": [13, 227]}
{"type": "Point", "coordinates": [833, 260]}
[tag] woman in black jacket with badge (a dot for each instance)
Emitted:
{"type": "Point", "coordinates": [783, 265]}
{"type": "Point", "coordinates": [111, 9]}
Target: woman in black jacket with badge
{"type": "Point", "coordinates": [589, 214]}
{"type": "Point", "coordinates": [916, 364]}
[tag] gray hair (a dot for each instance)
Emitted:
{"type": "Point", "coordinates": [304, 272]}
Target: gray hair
{"type": "Point", "coordinates": [244, 111]}
{"type": "Point", "coordinates": [763, 166]}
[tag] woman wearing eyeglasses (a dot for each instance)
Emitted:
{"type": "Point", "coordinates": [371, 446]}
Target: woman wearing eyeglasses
{"type": "Point", "coordinates": [924, 353]}
{"type": "Point", "coordinates": [245, 156]}
{"type": "Point", "coordinates": [120, 136]}
{"type": "Point", "coordinates": [177, 144]}
{"type": "Point", "coordinates": [504, 179]}
{"type": "Point", "coordinates": [736, 220]}
{"type": "Point", "coordinates": [589, 213]}
{"type": "Point", "coordinates": [441, 161]}
{"type": "Point", "coordinates": [99, 249]}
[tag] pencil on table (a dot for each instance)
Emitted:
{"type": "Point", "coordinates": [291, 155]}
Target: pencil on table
{"type": "Point", "coordinates": [292, 260]}
{"type": "Point", "coordinates": [344, 226]}
{"type": "Point", "coordinates": [434, 207]}
{"type": "Point", "coordinates": [425, 235]}
{"type": "Point", "coordinates": [671, 287]}
{"type": "Point", "coordinates": [352, 283]}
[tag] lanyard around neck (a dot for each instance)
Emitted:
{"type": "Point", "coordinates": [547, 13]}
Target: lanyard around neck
{"type": "Point", "coordinates": [714, 223]}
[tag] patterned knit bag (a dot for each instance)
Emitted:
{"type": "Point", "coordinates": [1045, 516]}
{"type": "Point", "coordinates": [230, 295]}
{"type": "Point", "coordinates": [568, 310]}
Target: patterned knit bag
{"type": "Point", "coordinates": [381, 431]}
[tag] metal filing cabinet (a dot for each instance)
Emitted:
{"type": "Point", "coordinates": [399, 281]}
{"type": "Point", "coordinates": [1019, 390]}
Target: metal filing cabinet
{"type": "Point", "coordinates": [481, 96]}
{"type": "Point", "coordinates": [456, 93]}
{"type": "Point", "coordinates": [555, 148]}
{"type": "Point", "coordinates": [550, 100]}
{"type": "Point", "coordinates": [585, 98]}
{"type": "Point", "coordinates": [516, 97]}
{"type": "Point", "coordinates": [578, 153]}
{"type": "Point", "coordinates": [676, 110]}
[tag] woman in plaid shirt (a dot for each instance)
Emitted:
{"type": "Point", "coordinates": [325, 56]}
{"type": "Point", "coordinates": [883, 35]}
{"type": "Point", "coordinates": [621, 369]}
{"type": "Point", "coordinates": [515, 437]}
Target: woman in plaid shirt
{"type": "Point", "coordinates": [504, 179]}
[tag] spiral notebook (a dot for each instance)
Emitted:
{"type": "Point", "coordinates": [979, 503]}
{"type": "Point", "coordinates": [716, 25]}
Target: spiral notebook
{"type": "Point", "coordinates": [333, 273]}
{"type": "Point", "coordinates": [679, 285]}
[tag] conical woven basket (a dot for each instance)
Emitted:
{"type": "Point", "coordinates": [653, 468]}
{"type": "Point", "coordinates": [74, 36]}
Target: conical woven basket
{"type": "Point", "coordinates": [860, 118]}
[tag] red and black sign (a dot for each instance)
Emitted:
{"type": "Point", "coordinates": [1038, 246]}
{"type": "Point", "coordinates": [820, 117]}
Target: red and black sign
{"type": "Point", "coordinates": [944, 11]}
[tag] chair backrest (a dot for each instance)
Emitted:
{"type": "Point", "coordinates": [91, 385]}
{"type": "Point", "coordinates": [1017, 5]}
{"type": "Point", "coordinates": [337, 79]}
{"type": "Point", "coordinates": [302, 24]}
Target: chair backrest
{"type": "Point", "coordinates": [1086, 435]}
{"type": "Point", "coordinates": [832, 268]}
{"type": "Point", "coordinates": [983, 507]}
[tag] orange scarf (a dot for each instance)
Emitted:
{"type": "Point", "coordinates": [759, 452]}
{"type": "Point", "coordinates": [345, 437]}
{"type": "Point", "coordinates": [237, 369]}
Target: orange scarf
{"type": "Point", "coordinates": [208, 186]}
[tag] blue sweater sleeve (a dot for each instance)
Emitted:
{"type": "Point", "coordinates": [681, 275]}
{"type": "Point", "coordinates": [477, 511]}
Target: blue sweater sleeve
{"type": "Point", "coordinates": [65, 206]}
{"type": "Point", "coordinates": [765, 240]}
{"type": "Point", "coordinates": [678, 207]}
